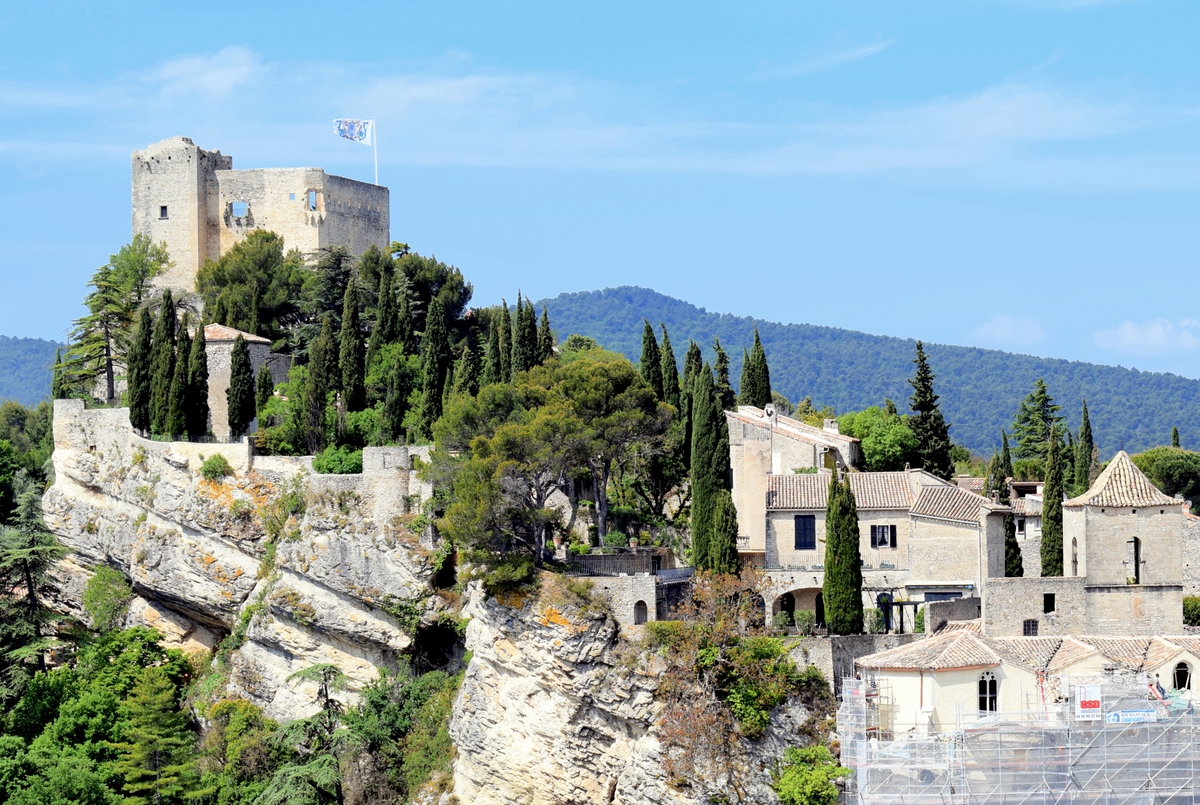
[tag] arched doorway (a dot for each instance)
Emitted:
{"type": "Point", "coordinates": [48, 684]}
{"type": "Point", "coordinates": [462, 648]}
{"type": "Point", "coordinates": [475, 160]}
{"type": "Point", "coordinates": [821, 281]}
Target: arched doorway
{"type": "Point", "coordinates": [787, 603]}
{"type": "Point", "coordinates": [884, 602]}
{"type": "Point", "coordinates": [639, 613]}
{"type": "Point", "coordinates": [1183, 676]}
{"type": "Point", "coordinates": [820, 610]}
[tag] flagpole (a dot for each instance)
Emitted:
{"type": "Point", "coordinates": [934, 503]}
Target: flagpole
{"type": "Point", "coordinates": [375, 143]}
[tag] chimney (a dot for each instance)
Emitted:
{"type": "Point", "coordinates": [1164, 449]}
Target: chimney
{"type": "Point", "coordinates": [831, 426]}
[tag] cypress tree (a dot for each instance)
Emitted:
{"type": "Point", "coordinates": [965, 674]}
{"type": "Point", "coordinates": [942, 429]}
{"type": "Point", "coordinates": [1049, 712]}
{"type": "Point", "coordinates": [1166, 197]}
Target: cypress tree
{"type": "Point", "coordinates": [651, 365]}
{"type": "Point", "coordinates": [316, 390]}
{"type": "Point", "coordinates": [155, 761]}
{"type": "Point", "coordinates": [197, 409]}
{"type": "Point", "coordinates": [761, 374]}
{"type": "Point", "coordinates": [1084, 447]}
{"type": "Point", "coordinates": [691, 364]}
{"type": "Point", "coordinates": [264, 390]}
{"type": "Point", "coordinates": [177, 407]}
{"type": "Point", "coordinates": [705, 484]}
{"type": "Point", "coordinates": [435, 363]}
{"type": "Point", "coordinates": [240, 394]}
{"type": "Point", "coordinates": [384, 332]}
{"type": "Point", "coordinates": [691, 371]}
{"type": "Point", "coordinates": [395, 404]}
{"type": "Point", "coordinates": [842, 590]}
{"type": "Point", "coordinates": [1174, 437]}
{"type": "Point", "coordinates": [670, 370]}
{"type": "Point", "coordinates": [930, 428]}
{"type": "Point", "coordinates": [404, 317]}
{"type": "Point", "coordinates": [726, 399]}
{"type": "Point", "coordinates": [466, 376]}
{"type": "Point", "coordinates": [139, 372]}
{"type": "Point", "coordinates": [746, 384]}
{"type": "Point", "coordinates": [1068, 462]}
{"type": "Point", "coordinates": [162, 364]}
{"type": "Point", "coordinates": [1014, 564]}
{"type": "Point", "coordinates": [350, 354]}
{"type": "Point", "coordinates": [1052, 516]}
{"type": "Point", "coordinates": [59, 389]}
{"type": "Point", "coordinates": [722, 550]}
{"type": "Point", "coordinates": [520, 358]}
{"type": "Point", "coordinates": [530, 334]}
{"type": "Point", "coordinates": [545, 338]}
{"type": "Point", "coordinates": [493, 372]}
{"type": "Point", "coordinates": [506, 344]}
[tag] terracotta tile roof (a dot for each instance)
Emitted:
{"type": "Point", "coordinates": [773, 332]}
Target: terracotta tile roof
{"type": "Point", "coordinates": [962, 626]}
{"type": "Point", "coordinates": [971, 484]}
{"type": "Point", "coordinates": [1027, 506]}
{"type": "Point", "coordinates": [872, 490]}
{"type": "Point", "coordinates": [219, 332]}
{"type": "Point", "coordinates": [957, 649]}
{"type": "Point", "coordinates": [1187, 642]}
{"type": "Point", "coordinates": [1127, 651]}
{"type": "Point", "coordinates": [792, 428]}
{"type": "Point", "coordinates": [1070, 652]}
{"type": "Point", "coordinates": [1032, 652]}
{"type": "Point", "coordinates": [948, 503]}
{"type": "Point", "coordinates": [1123, 484]}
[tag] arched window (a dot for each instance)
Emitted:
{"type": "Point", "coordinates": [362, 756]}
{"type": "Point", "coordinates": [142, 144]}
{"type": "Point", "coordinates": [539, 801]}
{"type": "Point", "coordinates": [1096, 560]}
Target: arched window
{"type": "Point", "coordinates": [1183, 676]}
{"type": "Point", "coordinates": [989, 690]}
{"type": "Point", "coordinates": [639, 613]}
{"type": "Point", "coordinates": [1137, 560]}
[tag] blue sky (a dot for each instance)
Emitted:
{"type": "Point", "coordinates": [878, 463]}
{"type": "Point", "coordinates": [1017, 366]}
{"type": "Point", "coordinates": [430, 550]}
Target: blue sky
{"type": "Point", "coordinates": [1018, 175]}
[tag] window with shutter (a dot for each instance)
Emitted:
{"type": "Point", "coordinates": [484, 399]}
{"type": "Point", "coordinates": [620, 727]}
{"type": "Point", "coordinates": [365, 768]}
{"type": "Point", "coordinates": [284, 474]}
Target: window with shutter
{"type": "Point", "coordinates": [806, 532]}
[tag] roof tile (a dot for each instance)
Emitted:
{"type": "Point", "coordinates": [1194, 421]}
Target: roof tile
{"type": "Point", "coordinates": [948, 503]}
{"type": "Point", "coordinates": [1123, 484]}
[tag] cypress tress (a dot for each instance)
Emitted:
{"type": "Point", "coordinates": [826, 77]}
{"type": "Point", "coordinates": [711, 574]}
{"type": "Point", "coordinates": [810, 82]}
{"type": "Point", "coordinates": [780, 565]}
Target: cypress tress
{"type": "Point", "coordinates": [651, 365]}
{"type": "Point", "coordinates": [395, 404]}
{"type": "Point", "coordinates": [545, 338]}
{"type": "Point", "coordinates": [316, 390]}
{"type": "Point", "coordinates": [930, 428]}
{"type": "Point", "coordinates": [1014, 564]}
{"type": "Point", "coordinates": [240, 394]}
{"type": "Point", "coordinates": [197, 416]}
{"type": "Point", "coordinates": [492, 370]}
{"type": "Point", "coordinates": [264, 390]}
{"type": "Point", "coordinates": [435, 363]}
{"type": "Point", "coordinates": [139, 373]}
{"type": "Point", "coordinates": [530, 334]}
{"type": "Point", "coordinates": [58, 382]}
{"type": "Point", "coordinates": [722, 550]}
{"type": "Point", "coordinates": [670, 370]}
{"type": "Point", "coordinates": [761, 374]}
{"type": "Point", "coordinates": [521, 359]}
{"type": "Point", "coordinates": [1174, 437]}
{"type": "Point", "coordinates": [354, 392]}
{"type": "Point", "coordinates": [404, 318]}
{"type": "Point", "coordinates": [466, 376]}
{"type": "Point", "coordinates": [162, 364]}
{"type": "Point", "coordinates": [842, 590]}
{"type": "Point", "coordinates": [384, 332]}
{"type": "Point", "coordinates": [691, 371]}
{"type": "Point", "coordinates": [505, 339]}
{"type": "Point", "coordinates": [179, 397]}
{"type": "Point", "coordinates": [1067, 456]}
{"type": "Point", "coordinates": [726, 399]}
{"type": "Point", "coordinates": [746, 384]}
{"type": "Point", "coordinates": [705, 481]}
{"type": "Point", "coordinates": [1052, 515]}
{"type": "Point", "coordinates": [691, 364]}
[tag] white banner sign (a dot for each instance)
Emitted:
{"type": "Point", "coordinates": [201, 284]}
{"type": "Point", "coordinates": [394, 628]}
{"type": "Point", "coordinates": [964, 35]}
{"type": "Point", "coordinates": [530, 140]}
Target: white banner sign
{"type": "Point", "coordinates": [1088, 703]}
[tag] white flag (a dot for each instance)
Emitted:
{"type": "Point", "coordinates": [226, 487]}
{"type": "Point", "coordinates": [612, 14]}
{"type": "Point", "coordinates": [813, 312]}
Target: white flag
{"type": "Point", "coordinates": [360, 131]}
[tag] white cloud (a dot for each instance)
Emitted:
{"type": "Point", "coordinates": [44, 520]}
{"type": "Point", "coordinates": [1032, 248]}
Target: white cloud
{"type": "Point", "coordinates": [1005, 330]}
{"type": "Point", "coordinates": [821, 63]}
{"type": "Point", "coordinates": [215, 75]}
{"type": "Point", "coordinates": [1155, 337]}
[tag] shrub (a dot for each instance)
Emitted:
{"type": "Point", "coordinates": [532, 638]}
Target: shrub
{"type": "Point", "coordinates": [806, 621]}
{"type": "Point", "coordinates": [1191, 610]}
{"type": "Point", "coordinates": [782, 620]}
{"type": "Point", "coordinates": [805, 777]}
{"type": "Point", "coordinates": [106, 598]}
{"type": "Point", "coordinates": [615, 539]}
{"type": "Point", "coordinates": [663, 633]}
{"type": "Point", "coordinates": [344, 460]}
{"type": "Point", "coordinates": [919, 621]}
{"type": "Point", "coordinates": [215, 468]}
{"type": "Point", "coordinates": [874, 621]}
{"type": "Point", "coordinates": [514, 572]}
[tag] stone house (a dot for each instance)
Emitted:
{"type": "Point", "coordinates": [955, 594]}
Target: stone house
{"type": "Point", "coordinates": [1123, 566]}
{"type": "Point", "coordinates": [1026, 500]}
{"type": "Point", "coordinates": [218, 342]}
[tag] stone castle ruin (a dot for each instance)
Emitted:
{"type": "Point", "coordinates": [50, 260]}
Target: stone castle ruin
{"type": "Point", "coordinates": [195, 202]}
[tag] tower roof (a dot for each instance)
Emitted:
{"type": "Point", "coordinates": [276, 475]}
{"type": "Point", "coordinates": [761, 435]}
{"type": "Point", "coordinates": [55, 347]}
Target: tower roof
{"type": "Point", "coordinates": [1123, 484]}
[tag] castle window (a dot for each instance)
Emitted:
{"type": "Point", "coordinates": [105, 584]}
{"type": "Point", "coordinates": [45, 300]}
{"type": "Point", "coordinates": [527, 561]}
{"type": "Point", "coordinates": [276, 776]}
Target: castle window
{"type": "Point", "coordinates": [1074, 557]}
{"type": "Point", "coordinates": [1029, 628]}
{"type": "Point", "coordinates": [291, 196]}
{"type": "Point", "coordinates": [1047, 602]}
{"type": "Point", "coordinates": [989, 692]}
{"type": "Point", "coordinates": [239, 208]}
{"type": "Point", "coordinates": [1136, 545]}
{"type": "Point", "coordinates": [312, 200]}
{"type": "Point", "coordinates": [1020, 525]}
{"type": "Point", "coordinates": [639, 613]}
{"type": "Point", "coordinates": [162, 211]}
{"type": "Point", "coordinates": [883, 536]}
{"type": "Point", "coordinates": [1183, 676]}
{"type": "Point", "coordinates": [806, 532]}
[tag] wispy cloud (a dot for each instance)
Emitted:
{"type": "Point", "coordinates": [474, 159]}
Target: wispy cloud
{"type": "Point", "coordinates": [1005, 330]}
{"type": "Point", "coordinates": [216, 75]}
{"type": "Point", "coordinates": [821, 62]}
{"type": "Point", "coordinates": [1156, 337]}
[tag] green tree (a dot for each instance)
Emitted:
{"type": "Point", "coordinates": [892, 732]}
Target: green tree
{"type": "Point", "coordinates": [522, 359]}
{"type": "Point", "coordinates": [651, 363]}
{"type": "Point", "coordinates": [842, 591]}
{"type": "Point", "coordinates": [722, 550]}
{"type": "Point", "coordinates": [726, 399]}
{"type": "Point", "coordinates": [545, 338]}
{"type": "Point", "coordinates": [746, 383]}
{"type": "Point", "coordinates": [504, 332]}
{"type": "Point", "coordinates": [1085, 448]}
{"type": "Point", "coordinates": [426, 279]}
{"type": "Point", "coordinates": [493, 372]}
{"type": "Point", "coordinates": [758, 376]}
{"type": "Point", "coordinates": [1052, 514]}
{"type": "Point", "coordinates": [386, 323]}
{"type": "Point", "coordinates": [317, 386]}
{"type": "Point", "coordinates": [197, 408]}
{"type": "Point", "coordinates": [240, 394]}
{"type": "Point", "coordinates": [374, 266]}
{"type": "Point", "coordinates": [805, 777]}
{"type": "Point", "coordinates": [395, 404]}
{"type": "Point", "coordinates": [155, 760]}
{"type": "Point", "coordinates": [927, 425]}
{"type": "Point", "coordinates": [162, 364]}
{"type": "Point", "coordinates": [60, 386]}
{"type": "Point", "coordinates": [255, 287]}
{"type": "Point", "coordinates": [179, 398]}
{"type": "Point", "coordinates": [106, 598]}
{"type": "Point", "coordinates": [354, 393]}
{"type": "Point", "coordinates": [670, 370]}
{"type": "Point", "coordinates": [139, 372]}
{"type": "Point", "coordinates": [405, 333]}
{"type": "Point", "coordinates": [1036, 420]}
{"type": "Point", "coordinates": [1174, 437]}
{"type": "Point", "coordinates": [264, 390]}
{"type": "Point", "coordinates": [1171, 469]}
{"type": "Point", "coordinates": [1014, 565]}
{"type": "Point", "coordinates": [435, 363]}
{"type": "Point", "coordinates": [466, 376]}
{"type": "Point", "coordinates": [887, 442]}
{"type": "Point", "coordinates": [709, 467]}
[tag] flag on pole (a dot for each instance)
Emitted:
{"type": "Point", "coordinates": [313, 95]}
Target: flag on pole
{"type": "Point", "coordinates": [359, 131]}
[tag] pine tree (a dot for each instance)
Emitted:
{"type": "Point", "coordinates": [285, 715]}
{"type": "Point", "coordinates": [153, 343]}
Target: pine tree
{"type": "Point", "coordinates": [384, 332]}
{"type": "Point", "coordinates": [493, 372]}
{"type": "Point", "coordinates": [670, 370]}
{"type": "Point", "coordinates": [435, 363]}
{"type": "Point", "coordinates": [651, 365]}
{"type": "Point", "coordinates": [928, 425]}
{"type": "Point", "coordinates": [842, 590]}
{"type": "Point", "coordinates": [180, 391]}
{"type": "Point", "coordinates": [722, 550]}
{"type": "Point", "coordinates": [1036, 418]}
{"type": "Point", "coordinates": [1174, 437]}
{"type": "Point", "coordinates": [760, 374]}
{"type": "Point", "coordinates": [466, 375]}
{"type": "Point", "coordinates": [155, 761]}
{"type": "Point", "coordinates": [1014, 563]}
{"type": "Point", "coordinates": [264, 390]}
{"type": "Point", "coordinates": [1084, 447]}
{"type": "Point", "coordinates": [726, 399]}
{"type": "Point", "coordinates": [197, 416]}
{"type": "Point", "coordinates": [138, 374]}
{"type": "Point", "coordinates": [545, 339]}
{"type": "Point", "coordinates": [705, 484]}
{"type": "Point", "coordinates": [350, 354]}
{"type": "Point", "coordinates": [1052, 514]}
{"type": "Point", "coordinates": [506, 343]}
{"type": "Point", "coordinates": [240, 394]}
{"type": "Point", "coordinates": [316, 390]}
{"type": "Point", "coordinates": [162, 364]}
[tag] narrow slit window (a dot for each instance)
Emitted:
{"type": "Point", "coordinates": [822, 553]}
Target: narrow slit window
{"type": "Point", "coordinates": [291, 196]}
{"type": "Point", "coordinates": [312, 200]}
{"type": "Point", "coordinates": [162, 211]}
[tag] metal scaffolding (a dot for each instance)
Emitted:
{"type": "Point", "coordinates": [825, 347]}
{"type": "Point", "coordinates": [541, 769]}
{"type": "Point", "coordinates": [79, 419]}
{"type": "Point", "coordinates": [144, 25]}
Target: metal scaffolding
{"type": "Point", "coordinates": [1039, 757]}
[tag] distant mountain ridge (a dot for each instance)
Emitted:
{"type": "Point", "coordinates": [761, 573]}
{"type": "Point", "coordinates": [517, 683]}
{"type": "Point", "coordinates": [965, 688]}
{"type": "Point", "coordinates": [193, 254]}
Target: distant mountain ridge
{"type": "Point", "coordinates": [26, 368]}
{"type": "Point", "coordinates": [980, 389]}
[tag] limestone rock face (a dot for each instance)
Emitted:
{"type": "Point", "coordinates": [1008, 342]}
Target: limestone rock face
{"type": "Point", "coordinates": [203, 564]}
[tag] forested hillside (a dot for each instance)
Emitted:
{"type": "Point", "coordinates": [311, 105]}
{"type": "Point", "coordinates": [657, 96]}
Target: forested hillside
{"type": "Point", "coordinates": [25, 368]}
{"type": "Point", "coordinates": [980, 388]}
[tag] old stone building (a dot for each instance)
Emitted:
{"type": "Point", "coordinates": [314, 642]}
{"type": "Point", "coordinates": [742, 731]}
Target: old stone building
{"type": "Point", "coordinates": [195, 202]}
{"type": "Point", "coordinates": [218, 342]}
{"type": "Point", "coordinates": [1026, 500]}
